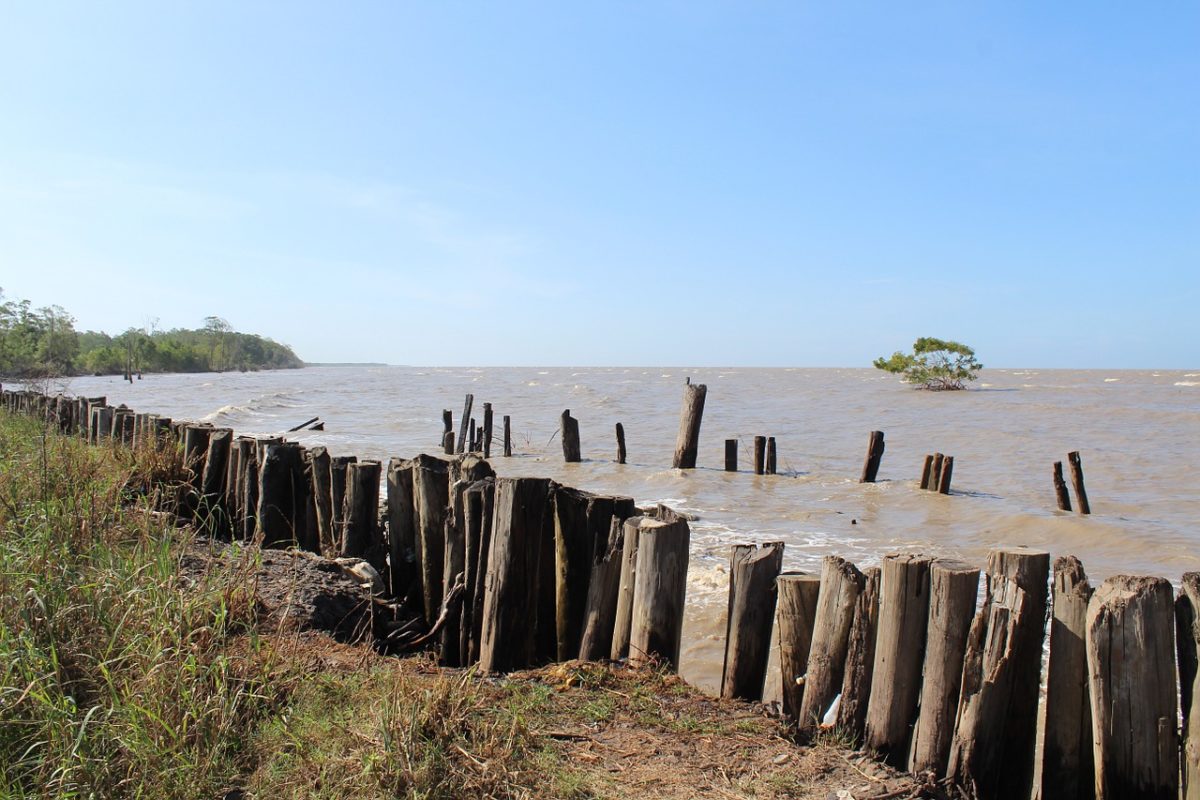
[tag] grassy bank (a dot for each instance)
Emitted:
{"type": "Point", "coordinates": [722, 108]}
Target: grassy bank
{"type": "Point", "coordinates": [122, 677]}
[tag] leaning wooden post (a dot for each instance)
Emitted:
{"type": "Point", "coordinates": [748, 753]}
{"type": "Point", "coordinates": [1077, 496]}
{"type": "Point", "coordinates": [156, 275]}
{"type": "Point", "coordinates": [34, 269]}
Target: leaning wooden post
{"type": "Point", "coordinates": [752, 573]}
{"type": "Point", "coordinates": [860, 659]}
{"type": "Point", "coordinates": [996, 729]}
{"type": "Point", "coordinates": [1187, 643]}
{"type": "Point", "coordinates": [431, 493]}
{"type": "Point", "coordinates": [620, 443]}
{"type": "Point", "coordinates": [464, 422]}
{"type": "Point", "coordinates": [1060, 488]}
{"type": "Point", "coordinates": [510, 593]}
{"type": "Point", "coordinates": [731, 447]}
{"type": "Point", "coordinates": [487, 430]}
{"type": "Point", "coordinates": [600, 610]}
{"type": "Point", "coordinates": [770, 466]}
{"type": "Point", "coordinates": [760, 455]}
{"type": "Point", "coordinates": [1067, 767]}
{"type": "Point", "coordinates": [1131, 667]}
{"type": "Point", "coordinates": [1081, 497]}
{"type": "Point", "coordinates": [795, 618]}
{"type": "Point", "coordinates": [660, 590]}
{"type": "Point", "coordinates": [688, 441]}
{"type": "Point", "coordinates": [360, 537]}
{"type": "Point", "coordinates": [875, 449]}
{"type": "Point", "coordinates": [625, 584]}
{"type": "Point", "coordinates": [507, 436]}
{"type": "Point", "coordinates": [947, 473]}
{"type": "Point", "coordinates": [899, 654]}
{"type": "Point", "coordinates": [841, 584]}
{"type": "Point", "coordinates": [927, 471]}
{"type": "Point", "coordinates": [570, 437]}
{"type": "Point", "coordinates": [935, 474]}
{"type": "Point", "coordinates": [953, 587]}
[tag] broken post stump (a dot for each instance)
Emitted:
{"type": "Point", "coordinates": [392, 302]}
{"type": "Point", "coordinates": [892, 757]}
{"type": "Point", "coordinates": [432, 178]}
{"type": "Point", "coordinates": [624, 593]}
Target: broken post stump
{"type": "Point", "coordinates": [463, 424]}
{"type": "Point", "coordinates": [600, 609]}
{"type": "Point", "coordinates": [507, 436]}
{"type": "Point", "coordinates": [625, 584]}
{"type": "Point", "coordinates": [841, 584]}
{"type": "Point", "coordinates": [620, 443]}
{"type": "Point", "coordinates": [1081, 498]}
{"type": "Point", "coordinates": [935, 475]}
{"type": "Point", "coordinates": [487, 430]}
{"type": "Point", "coordinates": [875, 449]}
{"type": "Point", "coordinates": [946, 475]}
{"type": "Point", "coordinates": [760, 455]}
{"type": "Point", "coordinates": [795, 617]}
{"type": "Point", "coordinates": [731, 448]}
{"type": "Point", "coordinates": [752, 573]}
{"type": "Point", "coordinates": [860, 659]}
{"type": "Point", "coordinates": [570, 437]}
{"type": "Point", "coordinates": [927, 471]}
{"type": "Point", "coordinates": [659, 591]}
{"type": "Point", "coordinates": [1060, 488]}
{"type": "Point", "coordinates": [687, 442]}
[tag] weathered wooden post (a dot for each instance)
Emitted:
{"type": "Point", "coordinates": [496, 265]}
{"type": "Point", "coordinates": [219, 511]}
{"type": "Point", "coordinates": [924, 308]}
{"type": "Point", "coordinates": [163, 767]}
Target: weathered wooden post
{"type": "Point", "coordinates": [281, 494]}
{"type": "Point", "coordinates": [760, 455]}
{"type": "Point", "coordinates": [947, 473]}
{"type": "Point", "coordinates": [625, 588]}
{"type": "Point", "coordinates": [620, 443]}
{"type": "Point", "coordinates": [1061, 495]}
{"type": "Point", "coordinates": [477, 508]}
{"type": "Point", "coordinates": [841, 584]}
{"type": "Point", "coordinates": [360, 538]}
{"type": "Point", "coordinates": [1131, 666]}
{"type": "Point", "coordinates": [1187, 644]}
{"type": "Point", "coordinates": [795, 617]}
{"type": "Point", "coordinates": [464, 423]}
{"type": "Point", "coordinates": [996, 729]}
{"type": "Point", "coordinates": [487, 430]}
{"type": "Point", "coordinates": [403, 570]}
{"type": "Point", "coordinates": [339, 466]}
{"type": "Point", "coordinates": [1081, 498]}
{"type": "Point", "coordinates": [927, 471]}
{"type": "Point", "coordinates": [600, 609]}
{"type": "Point", "coordinates": [214, 515]}
{"type": "Point", "coordinates": [1067, 766]}
{"type": "Point", "coordinates": [507, 436]}
{"type": "Point", "coordinates": [322, 489]}
{"type": "Point", "coordinates": [570, 437]}
{"type": "Point", "coordinates": [659, 591]}
{"type": "Point", "coordinates": [510, 593]}
{"type": "Point", "coordinates": [247, 489]}
{"type": "Point", "coordinates": [899, 654]}
{"type": "Point", "coordinates": [752, 574]}
{"type": "Point", "coordinates": [573, 550]}
{"type": "Point", "coordinates": [875, 449]}
{"type": "Point", "coordinates": [953, 587]}
{"type": "Point", "coordinates": [860, 659]}
{"type": "Point", "coordinates": [936, 475]}
{"type": "Point", "coordinates": [447, 423]}
{"type": "Point", "coordinates": [431, 493]}
{"type": "Point", "coordinates": [688, 441]}
{"type": "Point", "coordinates": [770, 466]}
{"type": "Point", "coordinates": [731, 447]}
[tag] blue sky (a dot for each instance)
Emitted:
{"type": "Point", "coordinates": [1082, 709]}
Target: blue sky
{"type": "Point", "coordinates": [785, 184]}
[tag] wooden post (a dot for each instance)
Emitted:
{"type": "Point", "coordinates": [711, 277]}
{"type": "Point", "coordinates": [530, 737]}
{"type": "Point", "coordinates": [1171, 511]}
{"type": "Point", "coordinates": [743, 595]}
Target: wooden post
{"type": "Point", "coordinates": [899, 654]}
{"type": "Point", "coordinates": [795, 617]}
{"type": "Point", "coordinates": [875, 449]}
{"type": "Point", "coordinates": [770, 467]}
{"type": "Point", "coordinates": [993, 746]}
{"type": "Point", "coordinates": [447, 423]}
{"type": "Point", "coordinates": [510, 593]}
{"type": "Point", "coordinates": [322, 489]}
{"type": "Point", "coordinates": [431, 493]}
{"type": "Point", "coordinates": [454, 570]}
{"type": "Point", "coordinates": [600, 609]}
{"type": "Point", "coordinates": [360, 538]}
{"type": "Point", "coordinates": [620, 443]}
{"type": "Point", "coordinates": [573, 550]}
{"type": "Point", "coordinates": [570, 437]}
{"type": "Point", "coordinates": [247, 489]}
{"type": "Point", "coordinates": [507, 436]}
{"type": "Point", "coordinates": [448, 443]}
{"type": "Point", "coordinates": [195, 448]}
{"type": "Point", "coordinates": [280, 496]}
{"type": "Point", "coordinates": [625, 588]}
{"type": "Point", "coordinates": [731, 447]}
{"type": "Point", "coordinates": [462, 425]}
{"type": "Point", "coordinates": [760, 455]}
{"type": "Point", "coordinates": [214, 518]}
{"type": "Point", "coordinates": [1081, 498]}
{"type": "Point", "coordinates": [472, 437]}
{"type": "Point", "coordinates": [841, 584]}
{"type": "Point", "coordinates": [402, 531]}
{"type": "Point", "coordinates": [688, 441]}
{"type": "Point", "coordinates": [1131, 665]}
{"type": "Point", "coordinates": [936, 475]}
{"type": "Point", "coordinates": [477, 505]}
{"type": "Point", "coordinates": [1067, 766]}
{"type": "Point", "coordinates": [860, 659]}
{"type": "Point", "coordinates": [1060, 488]}
{"type": "Point", "coordinates": [338, 469]}
{"type": "Point", "coordinates": [953, 587]}
{"type": "Point", "coordinates": [1187, 644]}
{"type": "Point", "coordinates": [947, 473]}
{"type": "Point", "coordinates": [752, 573]}
{"type": "Point", "coordinates": [926, 471]}
{"type": "Point", "coordinates": [487, 430]}
{"type": "Point", "coordinates": [659, 591]}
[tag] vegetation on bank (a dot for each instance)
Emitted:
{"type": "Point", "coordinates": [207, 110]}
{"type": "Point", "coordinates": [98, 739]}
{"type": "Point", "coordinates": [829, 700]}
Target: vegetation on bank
{"type": "Point", "coordinates": [43, 342]}
{"type": "Point", "coordinates": [936, 364]}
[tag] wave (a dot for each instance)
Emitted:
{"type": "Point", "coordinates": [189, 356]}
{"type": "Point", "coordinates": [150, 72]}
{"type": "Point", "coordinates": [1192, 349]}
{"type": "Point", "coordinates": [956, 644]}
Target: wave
{"type": "Point", "coordinates": [1187, 383]}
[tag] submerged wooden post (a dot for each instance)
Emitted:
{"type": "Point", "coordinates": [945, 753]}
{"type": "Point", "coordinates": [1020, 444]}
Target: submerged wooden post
{"type": "Point", "coordinates": [841, 584]}
{"type": "Point", "coordinates": [570, 437]}
{"type": "Point", "coordinates": [620, 443]}
{"type": "Point", "coordinates": [1067, 766]}
{"type": "Point", "coordinates": [625, 584]}
{"type": "Point", "coordinates": [360, 537]}
{"type": "Point", "coordinates": [463, 423]}
{"type": "Point", "coordinates": [507, 436]}
{"type": "Point", "coordinates": [659, 591]}
{"type": "Point", "coordinates": [953, 587]}
{"type": "Point", "coordinates": [927, 471]}
{"type": "Point", "coordinates": [688, 441]}
{"type": "Point", "coordinates": [472, 437]}
{"type": "Point", "coordinates": [752, 573]}
{"type": "Point", "coordinates": [860, 659]}
{"type": "Point", "coordinates": [770, 467]}
{"type": "Point", "coordinates": [1060, 488]}
{"type": "Point", "coordinates": [447, 423]}
{"type": "Point", "coordinates": [1131, 665]}
{"type": "Point", "coordinates": [795, 618]}
{"type": "Point", "coordinates": [1081, 498]}
{"type": "Point", "coordinates": [899, 654]}
{"type": "Point", "coordinates": [510, 593]}
{"type": "Point", "coordinates": [431, 493]}
{"type": "Point", "coordinates": [487, 430]}
{"type": "Point", "coordinates": [1187, 644]}
{"type": "Point", "coordinates": [947, 473]}
{"type": "Point", "coordinates": [760, 455]}
{"type": "Point", "coordinates": [996, 728]}
{"type": "Point", "coordinates": [731, 447]}
{"type": "Point", "coordinates": [875, 449]}
{"type": "Point", "coordinates": [935, 476]}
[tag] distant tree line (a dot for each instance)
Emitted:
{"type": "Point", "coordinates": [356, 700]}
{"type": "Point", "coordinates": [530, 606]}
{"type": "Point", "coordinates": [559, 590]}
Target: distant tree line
{"type": "Point", "coordinates": [43, 342]}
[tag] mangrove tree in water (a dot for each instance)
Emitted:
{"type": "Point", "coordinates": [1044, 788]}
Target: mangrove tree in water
{"type": "Point", "coordinates": [934, 364]}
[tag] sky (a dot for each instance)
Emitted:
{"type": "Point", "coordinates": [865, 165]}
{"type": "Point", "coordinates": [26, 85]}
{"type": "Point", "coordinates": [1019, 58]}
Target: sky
{"type": "Point", "coordinates": [650, 183]}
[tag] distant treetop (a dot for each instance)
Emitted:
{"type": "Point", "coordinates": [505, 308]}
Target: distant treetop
{"type": "Point", "coordinates": [934, 364]}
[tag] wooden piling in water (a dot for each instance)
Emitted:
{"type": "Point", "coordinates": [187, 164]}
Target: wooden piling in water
{"type": "Point", "coordinates": [659, 591]}
{"type": "Point", "coordinates": [1060, 488]}
{"type": "Point", "coordinates": [1067, 766]}
{"type": "Point", "coordinates": [687, 443]}
{"type": "Point", "coordinates": [487, 430]}
{"type": "Point", "coordinates": [953, 588]}
{"type": "Point", "coordinates": [935, 475]}
{"type": "Point", "coordinates": [875, 447]}
{"type": "Point", "coordinates": [752, 593]}
{"type": "Point", "coordinates": [927, 471]}
{"type": "Point", "coordinates": [620, 443]}
{"type": "Point", "coordinates": [447, 424]}
{"type": "Point", "coordinates": [472, 437]}
{"type": "Point", "coordinates": [1187, 645]}
{"type": "Point", "coordinates": [510, 595]}
{"type": "Point", "coordinates": [760, 455]}
{"type": "Point", "coordinates": [1081, 498]}
{"type": "Point", "coordinates": [899, 655]}
{"type": "Point", "coordinates": [857, 677]}
{"type": "Point", "coordinates": [795, 616]}
{"type": "Point", "coordinates": [431, 493]}
{"type": "Point", "coordinates": [770, 465]}
{"type": "Point", "coordinates": [731, 448]}
{"type": "Point", "coordinates": [1131, 665]}
{"type": "Point", "coordinates": [570, 437]}
{"type": "Point", "coordinates": [462, 425]}
{"type": "Point", "coordinates": [841, 584]}
{"type": "Point", "coordinates": [946, 475]}
{"type": "Point", "coordinates": [507, 436]}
